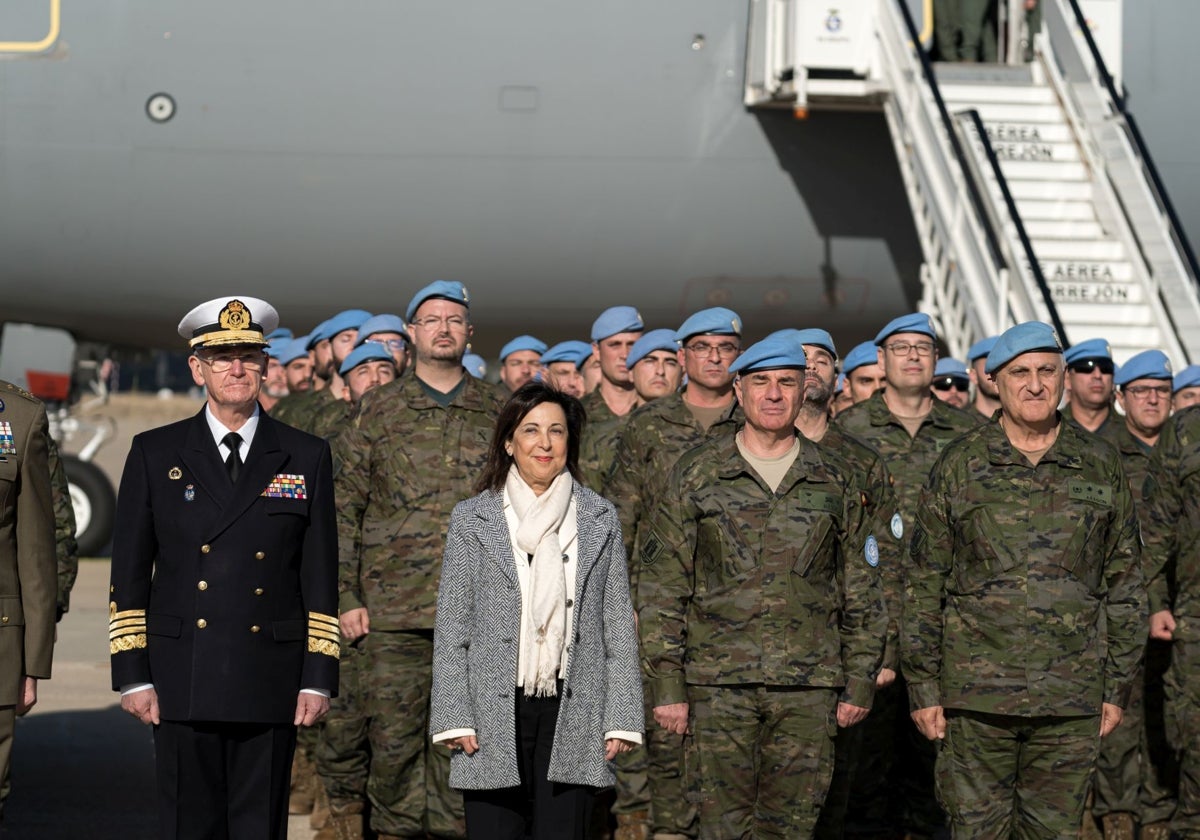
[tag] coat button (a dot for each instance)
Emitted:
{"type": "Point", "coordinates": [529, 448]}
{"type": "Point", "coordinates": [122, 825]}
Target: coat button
{"type": "Point", "coordinates": [204, 549]}
{"type": "Point", "coordinates": [260, 555]}
{"type": "Point", "coordinates": [566, 558]}
{"type": "Point", "coordinates": [254, 628]}
{"type": "Point", "coordinates": [3, 619]}
{"type": "Point", "coordinates": [201, 623]}
{"type": "Point", "coordinates": [202, 585]}
{"type": "Point", "coordinates": [258, 591]}
{"type": "Point", "coordinates": [570, 603]}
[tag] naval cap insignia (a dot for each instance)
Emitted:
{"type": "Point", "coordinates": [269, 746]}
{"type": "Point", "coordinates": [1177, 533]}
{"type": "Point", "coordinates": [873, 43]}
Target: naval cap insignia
{"type": "Point", "coordinates": [235, 316]}
{"type": "Point", "coordinates": [174, 473]}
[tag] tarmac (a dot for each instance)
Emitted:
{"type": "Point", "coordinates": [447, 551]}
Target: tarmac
{"type": "Point", "coordinates": [82, 768]}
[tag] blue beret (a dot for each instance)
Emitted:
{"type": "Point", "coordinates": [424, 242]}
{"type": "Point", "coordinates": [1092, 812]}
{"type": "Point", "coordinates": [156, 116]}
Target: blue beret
{"type": "Point", "coordinates": [1029, 337]}
{"type": "Point", "coordinates": [475, 365]}
{"type": "Point", "coordinates": [275, 347]}
{"type": "Point", "coordinates": [1093, 348]}
{"type": "Point", "coordinates": [862, 354]}
{"type": "Point", "coordinates": [351, 319]}
{"type": "Point", "coordinates": [772, 352]}
{"type": "Point", "coordinates": [576, 352]}
{"type": "Point", "coordinates": [381, 324]}
{"type": "Point", "coordinates": [917, 322]}
{"type": "Point", "coordinates": [1149, 364]}
{"type": "Point", "coordinates": [297, 348]}
{"type": "Point", "coordinates": [316, 336]}
{"type": "Point", "coordinates": [648, 343]}
{"type": "Point", "coordinates": [840, 384]}
{"type": "Point", "coordinates": [445, 289]}
{"type": "Point", "coordinates": [1189, 377]}
{"type": "Point", "coordinates": [372, 351]}
{"type": "Point", "coordinates": [280, 332]}
{"type": "Point", "coordinates": [522, 342]}
{"type": "Point", "coordinates": [981, 348]}
{"type": "Point", "coordinates": [617, 319]}
{"type": "Point", "coordinates": [817, 337]}
{"type": "Point", "coordinates": [950, 367]}
{"type": "Point", "coordinates": [715, 321]}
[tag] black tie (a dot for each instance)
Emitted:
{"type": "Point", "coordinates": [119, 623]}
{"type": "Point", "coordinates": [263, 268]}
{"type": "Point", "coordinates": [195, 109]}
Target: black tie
{"type": "Point", "coordinates": [233, 464]}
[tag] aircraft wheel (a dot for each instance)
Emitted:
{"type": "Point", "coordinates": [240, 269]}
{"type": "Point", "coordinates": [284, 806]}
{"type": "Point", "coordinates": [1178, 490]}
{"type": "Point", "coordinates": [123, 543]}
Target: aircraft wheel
{"type": "Point", "coordinates": [95, 505]}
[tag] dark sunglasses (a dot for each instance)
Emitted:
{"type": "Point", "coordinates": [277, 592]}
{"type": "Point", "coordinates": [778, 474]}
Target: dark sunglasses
{"type": "Point", "coordinates": [948, 382]}
{"type": "Point", "coordinates": [1105, 366]}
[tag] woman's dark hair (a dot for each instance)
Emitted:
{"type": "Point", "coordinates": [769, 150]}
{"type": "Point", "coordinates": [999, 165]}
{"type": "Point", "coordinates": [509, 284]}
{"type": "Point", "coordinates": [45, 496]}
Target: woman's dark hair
{"type": "Point", "coordinates": [524, 400]}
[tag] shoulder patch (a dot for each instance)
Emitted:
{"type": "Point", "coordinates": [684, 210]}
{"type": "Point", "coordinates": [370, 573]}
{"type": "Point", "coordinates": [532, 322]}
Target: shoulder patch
{"type": "Point", "coordinates": [871, 551]}
{"type": "Point", "coordinates": [897, 525]}
{"type": "Point", "coordinates": [1086, 491]}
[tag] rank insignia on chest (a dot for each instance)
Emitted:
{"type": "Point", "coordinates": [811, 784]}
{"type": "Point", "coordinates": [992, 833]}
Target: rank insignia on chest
{"type": "Point", "coordinates": [286, 486]}
{"type": "Point", "coordinates": [7, 445]}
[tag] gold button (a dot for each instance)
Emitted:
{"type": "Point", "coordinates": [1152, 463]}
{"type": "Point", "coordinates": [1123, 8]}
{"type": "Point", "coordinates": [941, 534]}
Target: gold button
{"type": "Point", "coordinates": [202, 585]}
{"type": "Point", "coordinates": [204, 549]}
{"type": "Point", "coordinates": [201, 623]}
{"type": "Point", "coordinates": [254, 628]}
{"type": "Point", "coordinates": [4, 619]}
{"type": "Point", "coordinates": [112, 589]}
{"type": "Point", "coordinates": [259, 555]}
{"type": "Point", "coordinates": [258, 591]}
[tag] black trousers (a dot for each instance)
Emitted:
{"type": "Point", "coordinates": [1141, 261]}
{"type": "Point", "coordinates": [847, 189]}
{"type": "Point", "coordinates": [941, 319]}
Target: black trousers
{"type": "Point", "coordinates": [538, 808]}
{"type": "Point", "coordinates": [223, 781]}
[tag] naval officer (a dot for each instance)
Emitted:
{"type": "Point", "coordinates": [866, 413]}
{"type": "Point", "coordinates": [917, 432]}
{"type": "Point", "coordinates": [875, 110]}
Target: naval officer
{"type": "Point", "coordinates": [223, 622]}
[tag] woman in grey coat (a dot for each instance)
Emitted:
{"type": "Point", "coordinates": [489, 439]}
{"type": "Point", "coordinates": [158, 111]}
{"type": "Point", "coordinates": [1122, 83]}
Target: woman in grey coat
{"type": "Point", "coordinates": [536, 683]}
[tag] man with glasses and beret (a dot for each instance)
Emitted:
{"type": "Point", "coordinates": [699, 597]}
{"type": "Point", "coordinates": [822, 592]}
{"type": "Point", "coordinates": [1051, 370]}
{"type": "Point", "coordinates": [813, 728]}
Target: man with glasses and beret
{"type": "Point", "coordinates": [952, 383]}
{"type": "Point", "coordinates": [655, 437]}
{"type": "Point", "coordinates": [1024, 617]}
{"type": "Point", "coordinates": [1090, 388]}
{"type": "Point", "coordinates": [892, 787]}
{"type": "Point", "coordinates": [223, 624]}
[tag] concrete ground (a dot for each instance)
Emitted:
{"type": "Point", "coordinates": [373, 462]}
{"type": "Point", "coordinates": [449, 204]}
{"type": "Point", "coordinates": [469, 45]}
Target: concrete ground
{"type": "Point", "coordinates": [82, 768]}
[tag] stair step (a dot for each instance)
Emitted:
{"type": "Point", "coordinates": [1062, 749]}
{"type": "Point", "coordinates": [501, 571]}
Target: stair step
{"type": "Point", "coordinates": [1055, 210]}
{"type": "Point", "coordinates": [1039, 229]}
{"type": "Point", "coordinates": [1066, 190]}
{"type": "Point", "coordinates": [999, 112]}
{"type": "Point", "coordinates": [1122, 303]}
{"type": "Point", "coordinates": [1025, 132]}
{"type": "Point", "coordinates": [1124, 341]}
{"type": "Point", "coordinates": [1012, 94]}
{"type": "Point", "coordinates": [1029, 170]}
{"type": "Point", "coordinates": [1087, 271]}
{"type": "Point", "coordinates": [1078, 250]}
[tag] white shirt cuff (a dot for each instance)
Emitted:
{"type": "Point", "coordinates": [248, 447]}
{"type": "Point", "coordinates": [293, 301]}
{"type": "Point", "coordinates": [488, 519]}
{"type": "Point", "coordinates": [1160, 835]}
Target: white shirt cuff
{"type": "Point", "coordinates": [631, 737]}
{"type": "Point", "coordinates": [450, 734]}
{"type": "Point", "coordinates": [320, 692]}
{"type": "Point", "coordinates": [134, 688]}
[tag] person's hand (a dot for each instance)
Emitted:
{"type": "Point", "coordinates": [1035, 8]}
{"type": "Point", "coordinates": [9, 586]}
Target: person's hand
{"type": "Point", "coordinates": [848, 715]}
{"type": "Point", "coordinates": [354, 623]}
{"type": "Point", "coordinates": [612, 746]}
{"type": "Point", "coordinates": [143, 705]}
{"type": "Point", "coordinates": [467, 743]}
{"type": "Point", "coordinates": [673, 717]}
{"type": "Point", "coordinates": [28, 698]}
{"type": "Point", "coordinates": [310, 708]}
{"type": "Point", "coordinates": [1162, 626]}
{"type": "Point", "coordinates": [1110, 717]}
{"type": "Point", "coordinates": [931, 722]}
{"type": "Point", "coordinates": [885, 677]}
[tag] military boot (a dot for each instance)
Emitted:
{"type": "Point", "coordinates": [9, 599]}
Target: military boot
{"type": "Point", "coordinates": [634, 825]}
{"type": "Point", "coordinates": [1118, 827]}
{"type": "Point", "coordinates": [320, 812]}
{"type": "Point", "coordinates": [345, 821]}
{"type": "Point", "coordinates": [1156, 831]}
{"type": "Point", "coordinates": [303, 792]}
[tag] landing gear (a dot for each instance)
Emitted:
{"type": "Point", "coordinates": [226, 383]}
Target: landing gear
{"type": "Point", "coordinates": [95, 505]}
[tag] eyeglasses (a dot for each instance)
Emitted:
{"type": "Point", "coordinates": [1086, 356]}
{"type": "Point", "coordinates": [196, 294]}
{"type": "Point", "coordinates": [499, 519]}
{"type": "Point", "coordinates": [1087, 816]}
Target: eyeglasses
{"type": "Point", "coordinates": [1105, 366]}
{"type": "Point", "coordinates": [390, 343]}
{"type": "Point", "coordinates": [947, 383]}
{"type": "Point", "coordinates": [455, 323]}
{"type": "Point", "coordinates": [903, 348]}
{"type": "Point", "coordinates": [703, 348]}
{"type": "Point", "coordinates": [1144, 391]}
{"type": "Point", "coordinates": [220, 364]}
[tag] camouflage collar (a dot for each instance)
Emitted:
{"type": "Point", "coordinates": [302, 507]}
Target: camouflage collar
{"type": "Point", "coordinates": [809, 466]}
{"type": "Point", "coordinates": [469, 398]}
{"type": "Point", "coordinates": [675, 410]}
{"type": "Point", "coordinates": [881, 415]}
{"type": "Point", "coordinates": [1067, 450]}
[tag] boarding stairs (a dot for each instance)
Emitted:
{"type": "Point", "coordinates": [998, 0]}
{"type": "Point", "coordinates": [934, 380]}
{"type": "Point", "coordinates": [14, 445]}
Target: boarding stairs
{"type": "Point", "coordinates": [1032, 193]}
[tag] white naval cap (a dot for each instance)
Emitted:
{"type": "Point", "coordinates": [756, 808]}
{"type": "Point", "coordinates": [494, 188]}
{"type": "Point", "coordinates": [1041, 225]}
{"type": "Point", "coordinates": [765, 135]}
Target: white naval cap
{"type": "Point", "coordinates": [229, 320]}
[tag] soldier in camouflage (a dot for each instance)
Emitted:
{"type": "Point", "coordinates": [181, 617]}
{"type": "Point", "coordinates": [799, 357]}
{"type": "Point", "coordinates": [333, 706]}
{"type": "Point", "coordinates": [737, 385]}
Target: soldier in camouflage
{"type": "Point", "coordinates": [987, 400]}
{"type": "Point", "coordinates": [66, 548]}
{"type": "Point", "coordinates": [1136, 773]}
{"type": "Point", "coordinates": [1186, 388]}
{"type": "Point", "coordinates": [1024, 618]}
{"type": "Point", "coordinates": [1090, 372]}
{"type": "Point", "coordinates": [655, 437]}
{"type": "Point", "coordinates": [412, 453]}
{"type": "Point", "coordinates": [760, 607]}
{"type": "Point", "coordinates": [331, 342]}
{"type": "Point", "coordinates": [613, 334]}
{"type": "Point", "coordinates": [1172, 562]}
{"type": "Point", "coordinates": [892, 786]}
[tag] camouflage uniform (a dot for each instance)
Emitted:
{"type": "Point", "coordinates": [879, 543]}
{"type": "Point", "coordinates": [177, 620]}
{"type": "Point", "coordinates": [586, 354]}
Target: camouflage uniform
{"type": "Point", "coordinates": [1136, 772]}
{"type": "Point", "coordinates": [299, 409]}
{"type": "Point", "coordinates": [893, 783]}
{"type": "Point", "coordinates": [757, 607]}
{"type": "Point", "coordinates": [66, 549]}
{"type": "Point", "coordinates": [1172, 539]}
{"type": "Point", "coordinates": [598, 447]}
{"type": "Point", "coordinates": [656, 435]}
{"type": "Point", "coordinates": [1109, 430]}
{"type": "Point", "coordinates": [400, 469]}
{"type": "Point", "coordinates": [1024, 610]}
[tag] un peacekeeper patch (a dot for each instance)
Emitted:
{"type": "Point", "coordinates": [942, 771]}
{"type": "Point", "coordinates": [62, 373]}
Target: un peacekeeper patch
{"type": "Point", "coordinates": [286, 486]}
{"type": "Point", "coordinates": [817, 500]}
{"type": "Point", "coordinates": [7, 445]}
{"type": "Point", "coordinates": [871, 551]}
{"type": "Point", "coordinates": [651, 549]}
{"type": "Point", "coordinates": [897, 525]}
{"type": "Point", "coordinates": [1085, 491]}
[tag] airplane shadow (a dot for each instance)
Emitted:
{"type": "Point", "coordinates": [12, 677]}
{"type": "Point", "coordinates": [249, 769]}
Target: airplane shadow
{"type": "Point", "coordinates": [81, 774]}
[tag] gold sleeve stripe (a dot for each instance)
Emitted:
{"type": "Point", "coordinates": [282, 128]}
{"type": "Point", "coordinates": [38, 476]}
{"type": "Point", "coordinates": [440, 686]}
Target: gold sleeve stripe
{"type": "Point", "coordinates": [324, 646]}
{"type": "Point", "coordinates": [322, 618]}
{"type": "Point", "coordinates": [115, 616]}
{"type": "Point", "coordinates": [324, 634]}
{"type": "Point", "coordinates": [127, 622]}
{"type": "Point", "coordinates": [127, 643]}
{"type": "Point", "coordinates": [126, 631]}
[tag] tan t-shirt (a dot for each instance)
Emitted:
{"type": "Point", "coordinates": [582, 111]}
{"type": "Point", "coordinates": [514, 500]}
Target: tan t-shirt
{"type": "Point", "coordinates": [706, 416]}
{"type": "Point", "coordinates": [770, 470]}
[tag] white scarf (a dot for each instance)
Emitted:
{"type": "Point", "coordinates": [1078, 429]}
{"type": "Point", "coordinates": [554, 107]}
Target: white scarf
{"type": "Point", "coordinates": [539, 535]}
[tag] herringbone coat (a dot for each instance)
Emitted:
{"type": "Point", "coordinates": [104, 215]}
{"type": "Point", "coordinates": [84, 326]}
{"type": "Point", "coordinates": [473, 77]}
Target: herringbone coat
{"type": "Point", "coordinates": [477, 637]}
